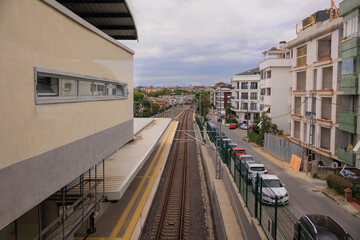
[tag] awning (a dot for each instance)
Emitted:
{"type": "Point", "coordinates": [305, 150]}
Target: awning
{"type": "Point", "coordinates": [112, 17]}
{"type": "Point", "coordinates": [266, 108]}
{"type": "Point", "coordinates": [356, 148]}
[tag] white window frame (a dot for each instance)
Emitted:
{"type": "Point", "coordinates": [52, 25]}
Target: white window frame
{"type": "Point", "coordinates": [66, 99]}
{"type": "Point", "coordinates": [350, 27]}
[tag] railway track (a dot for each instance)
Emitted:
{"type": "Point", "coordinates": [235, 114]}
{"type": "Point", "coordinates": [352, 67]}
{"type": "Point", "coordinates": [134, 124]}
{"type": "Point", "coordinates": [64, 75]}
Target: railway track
{"type": "Point", "coordinates": [172, 218]}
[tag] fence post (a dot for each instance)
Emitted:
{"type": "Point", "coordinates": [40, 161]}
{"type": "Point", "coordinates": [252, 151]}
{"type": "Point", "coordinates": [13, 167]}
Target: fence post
{"type": "Point", "coordinates": [246, 189]}
{"type": "Point", "coordinates": [256, 195]}
{"type": "Point", "coordinates": [260, 214]}
{"type": "Point", "coordinates": [275, 217]}
{"type": "Point", "coordinates": [240, 173]}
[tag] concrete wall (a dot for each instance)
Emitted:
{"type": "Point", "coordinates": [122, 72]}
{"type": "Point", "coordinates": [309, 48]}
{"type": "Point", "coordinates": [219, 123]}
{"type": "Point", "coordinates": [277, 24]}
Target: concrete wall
{"type": "Point", "coordinates": [44, 147]}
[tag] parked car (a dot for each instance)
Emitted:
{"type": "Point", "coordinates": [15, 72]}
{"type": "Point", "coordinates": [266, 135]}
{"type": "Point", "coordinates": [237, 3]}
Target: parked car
{"type": "Point", "coordinates": [319, 227]}
{"type": "Point", "coordinates": [232, 126]}
{"type": "Point", "coordinates": [244, 126]}
{"type": "Point", "coordinates": [254, 169]}
{"type": "Point", "coordinates": [272, 186]}
{"type": "Point", "coordinates": [239, 151]}
{"type": "Point", "coordinates": [246, 158]}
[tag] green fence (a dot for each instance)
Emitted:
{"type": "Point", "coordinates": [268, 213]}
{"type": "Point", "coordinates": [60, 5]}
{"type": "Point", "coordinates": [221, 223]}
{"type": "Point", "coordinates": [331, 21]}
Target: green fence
{"type": "Point", "coordinates": [275, 218]}
{"type": "Point", "coordinates": [198, 121]}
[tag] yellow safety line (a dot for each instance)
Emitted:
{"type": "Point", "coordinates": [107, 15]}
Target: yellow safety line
{"type": "Point", "coordinates": [132, 201]}
{"type": "Point", "coordinates": [138, 210]}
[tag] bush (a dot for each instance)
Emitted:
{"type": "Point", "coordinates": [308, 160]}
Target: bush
{"type": "Point", "coordinates": [231, 120]}
{"type": "Point", "coordinates": [338, 183]}
{"type": "Point", "coordinates": [256, 138]}
{"type": "Point", "coordinates": [356, 191]}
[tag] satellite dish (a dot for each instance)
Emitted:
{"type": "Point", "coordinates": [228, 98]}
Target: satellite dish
{"type": "Point", "coordinates": [334, 165]}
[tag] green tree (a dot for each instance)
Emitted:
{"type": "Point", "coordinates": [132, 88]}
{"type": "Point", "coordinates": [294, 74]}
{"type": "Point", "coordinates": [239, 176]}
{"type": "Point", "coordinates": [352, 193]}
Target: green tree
{"type": "Point", "coordinates": [138, 96]}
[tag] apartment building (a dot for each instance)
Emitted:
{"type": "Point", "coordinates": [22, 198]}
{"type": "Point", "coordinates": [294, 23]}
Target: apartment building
{"type": "Point", "coordinates": [220, 96]}
{"type": "Point", "coordinates": [348, 134]}
{"type": "Point", "coordinates": [67, 104]}
{"type": "Point", "coordinates": [275, 86]}
{"type": "Point", "coordinates": [314, 84]}
{"type": "Point", "coordinates": [246, 95]}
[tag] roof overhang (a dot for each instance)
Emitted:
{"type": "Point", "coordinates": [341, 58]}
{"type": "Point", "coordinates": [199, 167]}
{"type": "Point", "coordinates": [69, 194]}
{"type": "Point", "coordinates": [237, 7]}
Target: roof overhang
{"type": "Point", "coordinates": [113, 17]}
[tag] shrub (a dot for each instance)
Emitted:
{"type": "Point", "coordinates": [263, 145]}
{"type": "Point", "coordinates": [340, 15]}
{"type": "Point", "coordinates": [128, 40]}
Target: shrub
{"type": "Point", "coordinates": [338, 183]}
{"type": "Point", "coordinates": [356, 191]}
{"type": "Point", "coordinates": [231, 120]}
{"type": "Point", "coordinates": [256, 138]}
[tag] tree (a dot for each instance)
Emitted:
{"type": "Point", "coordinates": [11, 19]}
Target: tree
{"type": "Point", "coordinates": [138, 97]}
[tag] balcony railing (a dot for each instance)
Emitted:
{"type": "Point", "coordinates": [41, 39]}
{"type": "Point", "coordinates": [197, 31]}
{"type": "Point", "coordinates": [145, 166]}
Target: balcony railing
{"type": "Point", "coordinates": [348, 121]}
{"type": "Point", "coordinates": [346, 155]}
{"type": "Point", "coordinates": [349, 84]}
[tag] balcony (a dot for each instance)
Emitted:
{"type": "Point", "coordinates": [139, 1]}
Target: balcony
{"type": "Point", "coordinates": [347, 121]}
{"type": "Point", "coordinates": [349, 84]}
{"type": "Point", "coordinates": [346, 155]}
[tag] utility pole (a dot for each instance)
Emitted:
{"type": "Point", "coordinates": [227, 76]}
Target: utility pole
{"type": "Point", "coordinates": [218, 134]}
{"type": "Point", "coordinates": [200, 108]}
{"type": "Point", "coordinates": [311, 144]}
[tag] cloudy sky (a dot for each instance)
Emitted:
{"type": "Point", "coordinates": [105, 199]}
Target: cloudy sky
{"type": "Point", "coordinates": [184, 42]}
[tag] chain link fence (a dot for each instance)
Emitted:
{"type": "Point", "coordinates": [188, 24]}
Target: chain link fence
{"type": "Point", "coordinates": [281, 148]}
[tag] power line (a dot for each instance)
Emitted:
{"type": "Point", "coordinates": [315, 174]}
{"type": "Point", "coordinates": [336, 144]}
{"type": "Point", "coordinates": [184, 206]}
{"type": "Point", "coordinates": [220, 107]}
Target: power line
{"type": "Point", "coordinates": [292, 110]}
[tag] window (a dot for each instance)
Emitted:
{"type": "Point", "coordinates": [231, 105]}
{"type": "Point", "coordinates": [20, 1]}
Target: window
{"type": "Point", "coordinates": [348, 66]}
{"type": "Point", "coordinates": [253, 85]}
{"type": "Point", "coordinates": [244, 106]}
{"type": "Point", "coordinates": [244, 95]}
{"type": "Point", "coordinates": [253, 95]}
{"type": "Point", "coordinates": [55, 87]}
{"type": "Point", "coordinates": [253, 106]}
{"type": "Point", "coordinates": [351, 27]}
{"type": "Point", "coordinates": [301, 55]}
{"type": "Point", "coordinates": [268, 74]}
{"type": "Point", "coordinates": [262, 91]}
{"type": "Point", "coordinates": [244, 85]}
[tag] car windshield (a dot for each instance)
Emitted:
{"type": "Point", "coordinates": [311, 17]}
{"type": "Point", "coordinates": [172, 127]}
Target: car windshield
{"type": "Point", "coordinates": [247, 159]}
{"type": "Point", "coordinates": [273, 183]}
{"type": "Point", "coordinates": [257, 169]}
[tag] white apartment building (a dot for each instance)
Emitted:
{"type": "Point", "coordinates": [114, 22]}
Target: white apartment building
{"type": "Point", "coordinates": [220, 96]}
{"type": "Point", "coordinates": [275, 86]}
{"type": "Point", "coordinates": [314, 72]}
{"type": "Point", "coordinates": [246, 95]}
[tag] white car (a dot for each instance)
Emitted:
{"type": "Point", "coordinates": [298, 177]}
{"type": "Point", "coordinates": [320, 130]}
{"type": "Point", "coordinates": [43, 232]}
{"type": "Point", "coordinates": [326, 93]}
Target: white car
{"type": "Point", "coordinates": [272, 185]}
{"type": "Point", "coordinates": [246, 158]}
{"type": "Point", "coordinates": [254, 169]}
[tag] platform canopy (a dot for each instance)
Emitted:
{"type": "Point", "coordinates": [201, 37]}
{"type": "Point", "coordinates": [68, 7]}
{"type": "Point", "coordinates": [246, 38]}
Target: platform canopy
{"type": "Point", "coordinates": [113, 17]}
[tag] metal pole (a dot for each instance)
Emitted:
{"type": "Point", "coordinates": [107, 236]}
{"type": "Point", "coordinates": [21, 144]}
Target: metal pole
{"type": "Point", "coordinates": [256, 195]}
{"type": "Point", "coordinates": [103, 197]}
{"type": "Point", "coordinates": [95, 187]}
{"type": "Point", "coordinates": [63, 212]}
{"type": "Point", "coordinates": [39, 220]}
{"type": "Point", "coordinates": [275, 217]}
{"type": "Point", "coordinates": [82, 197]}
{"type": "Point", "coordinates": [260, 214]}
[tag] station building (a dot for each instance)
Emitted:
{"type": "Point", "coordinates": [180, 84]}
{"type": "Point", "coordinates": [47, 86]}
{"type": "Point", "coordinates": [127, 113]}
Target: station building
{"type": "Point", "coordinates": [67, 105]}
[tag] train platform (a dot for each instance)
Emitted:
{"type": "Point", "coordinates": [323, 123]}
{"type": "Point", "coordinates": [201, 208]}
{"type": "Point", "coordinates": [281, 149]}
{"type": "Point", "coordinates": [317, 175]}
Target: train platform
{"type": "Point", "coordinates": [132, 175]}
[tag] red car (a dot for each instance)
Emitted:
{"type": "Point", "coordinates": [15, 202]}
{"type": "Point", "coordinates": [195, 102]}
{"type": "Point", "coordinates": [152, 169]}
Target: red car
{"type": "Point", "coordinates": [238, 151]}
{"type": "Point", "coordinates": [232, 126]}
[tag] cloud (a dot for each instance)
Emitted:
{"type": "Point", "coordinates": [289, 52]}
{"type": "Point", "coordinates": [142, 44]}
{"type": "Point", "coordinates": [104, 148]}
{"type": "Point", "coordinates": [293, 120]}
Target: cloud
{"type": "Point", "coordinates": [193, 38]}
{"type": "Point", "coordinates": [194, 59]}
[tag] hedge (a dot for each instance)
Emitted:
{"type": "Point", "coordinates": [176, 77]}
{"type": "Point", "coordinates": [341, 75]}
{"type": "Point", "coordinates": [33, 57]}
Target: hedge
{"type": "Point", "coordinates": [256, 138]}
{"type": "Point", "coordinates": [338, 183]}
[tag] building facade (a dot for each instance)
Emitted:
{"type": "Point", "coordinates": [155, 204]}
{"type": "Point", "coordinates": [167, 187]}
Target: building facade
{"type": "Point", "coordinates": [220, 96]}
{"type": "Point", "coordinates": [348, 119]}
{"type": "Point", "coordinates": [67, 105]}
{"type": "Point", "coordinates": [314, 85]}
{"type": "Point", "coordinates": [246, 95]}
{"type": "Point", "coordinates": [275, 86]}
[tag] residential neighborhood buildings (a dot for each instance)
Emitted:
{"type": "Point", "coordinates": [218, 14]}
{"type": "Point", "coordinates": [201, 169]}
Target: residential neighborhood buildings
{"type": "Point", "coordinates": [246, 95]}
{"type": "Point", "coordinates": [275, 86]}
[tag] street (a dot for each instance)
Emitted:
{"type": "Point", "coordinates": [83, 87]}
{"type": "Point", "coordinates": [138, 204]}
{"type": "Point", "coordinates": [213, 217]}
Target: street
{"type": "Point", "coordinates": [305, 192]}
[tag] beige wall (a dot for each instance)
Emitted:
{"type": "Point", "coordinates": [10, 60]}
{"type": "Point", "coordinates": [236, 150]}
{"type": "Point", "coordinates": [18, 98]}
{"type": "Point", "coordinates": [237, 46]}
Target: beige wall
{"type": "Point", "coordinates": [33, 34]}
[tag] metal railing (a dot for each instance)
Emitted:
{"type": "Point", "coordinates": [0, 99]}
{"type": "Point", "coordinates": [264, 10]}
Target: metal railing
{"type": "Point", "coordinates": [276, 220]}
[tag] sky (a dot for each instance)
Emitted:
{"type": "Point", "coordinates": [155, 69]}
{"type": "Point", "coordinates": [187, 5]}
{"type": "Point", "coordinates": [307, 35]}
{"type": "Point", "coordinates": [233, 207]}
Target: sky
{"type": "Point", "coordinates": [202, 42]}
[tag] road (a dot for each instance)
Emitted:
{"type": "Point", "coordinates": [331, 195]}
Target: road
{"type": "Point", "coordinates": [305, 192]}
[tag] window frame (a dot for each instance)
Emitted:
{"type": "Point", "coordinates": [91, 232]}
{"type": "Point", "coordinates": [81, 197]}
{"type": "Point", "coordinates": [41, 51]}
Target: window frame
{"type": "Point", "coordinates": [78, 98]}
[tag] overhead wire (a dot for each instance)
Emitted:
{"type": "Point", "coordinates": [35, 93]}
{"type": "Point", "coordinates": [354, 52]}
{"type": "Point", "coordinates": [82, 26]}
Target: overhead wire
{"type": "Point", "coordinates": [292, 109]}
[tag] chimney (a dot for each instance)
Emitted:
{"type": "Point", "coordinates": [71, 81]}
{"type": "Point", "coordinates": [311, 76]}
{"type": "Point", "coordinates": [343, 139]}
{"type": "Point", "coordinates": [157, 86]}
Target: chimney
{"type": "Point", "coordinates": [281, 44]}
